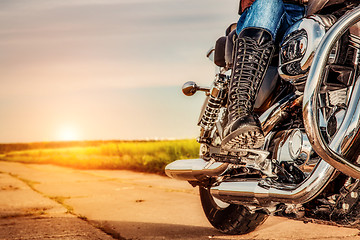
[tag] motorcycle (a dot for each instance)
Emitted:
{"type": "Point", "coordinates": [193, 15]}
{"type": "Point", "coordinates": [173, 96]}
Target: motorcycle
{"type": "Point", "coordinates": [309, 109]}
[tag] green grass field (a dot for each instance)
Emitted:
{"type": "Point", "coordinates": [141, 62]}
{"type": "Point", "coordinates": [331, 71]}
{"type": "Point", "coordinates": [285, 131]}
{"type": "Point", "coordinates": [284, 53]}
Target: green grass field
{"type": "Point", "coordinates": [144, 156]}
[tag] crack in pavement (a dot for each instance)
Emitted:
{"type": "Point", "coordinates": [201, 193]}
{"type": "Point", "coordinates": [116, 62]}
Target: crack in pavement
{"type": "Point", "coordinates": [60, 200]}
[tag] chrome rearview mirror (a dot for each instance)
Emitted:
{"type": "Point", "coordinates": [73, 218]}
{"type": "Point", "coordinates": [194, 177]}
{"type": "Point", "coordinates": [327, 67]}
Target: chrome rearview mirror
{"type": "Point", "coordinates": [211, 54]}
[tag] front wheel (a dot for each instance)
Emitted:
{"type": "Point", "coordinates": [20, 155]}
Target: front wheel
{"type": "Point", "coordinates": [229, 218]}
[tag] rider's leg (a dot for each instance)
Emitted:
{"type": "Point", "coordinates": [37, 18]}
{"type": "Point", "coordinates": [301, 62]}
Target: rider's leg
{"type": "Point", "coordinates": [258, 27]}
{"type": "Point", "coordinates": [272, 15]}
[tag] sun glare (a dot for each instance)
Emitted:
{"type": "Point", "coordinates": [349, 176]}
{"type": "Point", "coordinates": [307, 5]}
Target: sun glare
{"type": "Point", "coordinates": [68, 133]}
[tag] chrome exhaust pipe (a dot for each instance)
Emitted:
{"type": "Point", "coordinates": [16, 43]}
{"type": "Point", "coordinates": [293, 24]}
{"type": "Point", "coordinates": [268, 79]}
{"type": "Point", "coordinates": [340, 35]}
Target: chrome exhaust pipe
{"type": "Point", "coordinates": [268, 193]}
{"type": "Point", "coordinates": [195, 169]}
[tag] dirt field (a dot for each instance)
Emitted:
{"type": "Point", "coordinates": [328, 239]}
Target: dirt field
{"type": "Point", "coordinates": [51, 202]}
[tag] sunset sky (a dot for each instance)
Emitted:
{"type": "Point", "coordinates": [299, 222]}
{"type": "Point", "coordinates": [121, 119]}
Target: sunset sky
{"type": "Point", "coordinates": [105, 69]}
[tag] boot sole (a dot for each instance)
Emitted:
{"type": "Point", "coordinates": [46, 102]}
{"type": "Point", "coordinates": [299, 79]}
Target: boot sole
{"type": "Point", "coordinates": [244, 137]}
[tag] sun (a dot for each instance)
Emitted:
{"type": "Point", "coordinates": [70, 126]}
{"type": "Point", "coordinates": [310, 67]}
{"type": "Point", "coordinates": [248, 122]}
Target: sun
{"type": "Point", "coordinates": [68, 133]}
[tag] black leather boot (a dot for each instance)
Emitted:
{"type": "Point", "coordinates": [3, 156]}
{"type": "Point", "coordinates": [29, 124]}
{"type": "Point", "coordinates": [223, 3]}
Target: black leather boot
{"type": "Point", "coordinates": [254, 50]}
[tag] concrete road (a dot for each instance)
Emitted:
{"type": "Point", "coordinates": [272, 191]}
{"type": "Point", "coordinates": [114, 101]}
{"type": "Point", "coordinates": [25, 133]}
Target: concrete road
{"type": "Point", "coordinates": [51, 202]}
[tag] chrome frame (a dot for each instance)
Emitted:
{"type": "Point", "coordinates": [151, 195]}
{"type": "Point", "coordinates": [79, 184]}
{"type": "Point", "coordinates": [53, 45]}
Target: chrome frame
{"type": "Point", "coordinates": [332, 153]}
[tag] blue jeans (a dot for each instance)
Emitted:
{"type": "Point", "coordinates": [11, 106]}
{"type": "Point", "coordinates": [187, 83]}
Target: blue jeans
{"type": "Point", "coordinates": [272, 15]}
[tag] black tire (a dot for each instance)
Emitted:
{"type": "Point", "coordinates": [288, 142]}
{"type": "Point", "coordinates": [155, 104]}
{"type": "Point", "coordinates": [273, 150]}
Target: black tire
{"type": "Point", "coordinates": [233, 219]}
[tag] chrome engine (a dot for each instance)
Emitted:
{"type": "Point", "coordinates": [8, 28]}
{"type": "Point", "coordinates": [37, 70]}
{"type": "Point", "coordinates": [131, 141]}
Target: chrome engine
{"type": "Point", "coordinates": [293, 147]}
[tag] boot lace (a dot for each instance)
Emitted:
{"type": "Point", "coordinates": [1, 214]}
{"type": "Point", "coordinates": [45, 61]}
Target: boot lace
{"type": "Point", "coordinates": [250, 65]}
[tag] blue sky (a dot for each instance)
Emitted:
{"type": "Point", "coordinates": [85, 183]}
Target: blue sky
{"type": "Point", "coordinates": [91, 69]}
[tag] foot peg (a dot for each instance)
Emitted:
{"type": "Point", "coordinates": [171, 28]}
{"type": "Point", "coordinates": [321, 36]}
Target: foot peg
{"type": "Point", "coordinates": [249, 158]}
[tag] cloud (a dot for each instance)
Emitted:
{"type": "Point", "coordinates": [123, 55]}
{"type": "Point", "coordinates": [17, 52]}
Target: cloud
{"type": "Point", "coordinates": [58, 50]}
